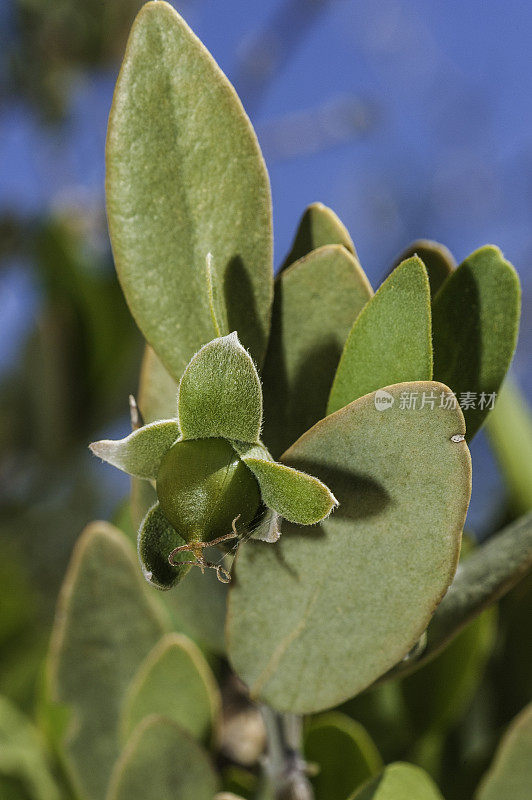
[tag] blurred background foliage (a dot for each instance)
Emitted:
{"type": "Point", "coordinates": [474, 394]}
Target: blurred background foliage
{"type": "Point", "coordinates": [410, 119]}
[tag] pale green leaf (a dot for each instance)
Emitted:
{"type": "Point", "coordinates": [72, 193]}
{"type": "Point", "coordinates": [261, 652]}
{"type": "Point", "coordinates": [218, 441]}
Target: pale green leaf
{"type": "Point", "coordinates": [23, 755]}
{"type": "Point", "coordinates": [351, 597]}
{"type": "Point", "coordinates": [141, 452]}
{"type": "Point", "coordinates": [105, 626]}
{"type": "Point", "coordinates": [475, 320]}
{"type": "Point", "coordinates": [438, 260]}
{"type": "Point", "coordinates": [390, 341]}
{"type": "Point", "coordinates": [185, 177]}
{"type": "Point", "coordinates": [509, 428]}
{"type": "Point", "coordinates": [220, 393]}
{"type": "Point", "coordinates": [510, 775]}
{"type": "Point", "coordinates": [174, 681]}
{"type": "Point", "coordinates": [317, 227]}
{"type": "Point", "coordinates": [157, 397]}
{"type": "Point", "coordinates": [295, 495]}
{"type": "Point", "coordinates": [344, 753]}
{"type": "Point", "coordinates": [400, 782]}
{"type": "Point", "coordinates": [162, 761]}
{"type": "Point", "coordinates": [315, 304]}
{"type": "Point", "coordinates": [156, 540]}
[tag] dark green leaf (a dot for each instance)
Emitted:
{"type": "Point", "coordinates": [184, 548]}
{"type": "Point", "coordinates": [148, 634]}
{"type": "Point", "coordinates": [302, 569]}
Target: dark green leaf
{"type": "Point", "coordinates": [400, 782]}
{"type": "Point", "coordinates": [510, 775]}
{"type": "Point", "coordinates": [438, 260]}
{"type": "Point", "coordinates": [475, 319]}
{"type": "Point", "coordinates": [156, 540]}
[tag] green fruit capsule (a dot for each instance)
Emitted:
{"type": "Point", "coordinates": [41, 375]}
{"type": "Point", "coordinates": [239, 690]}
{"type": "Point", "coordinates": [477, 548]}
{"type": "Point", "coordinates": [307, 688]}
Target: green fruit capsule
{"type": "Point", "coordinates": [202, 486]}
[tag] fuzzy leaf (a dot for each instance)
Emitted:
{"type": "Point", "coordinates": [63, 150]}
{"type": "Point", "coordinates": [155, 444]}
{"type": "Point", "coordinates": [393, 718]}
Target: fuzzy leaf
{"type": "Point", "coordinates": [175, 681]}
{"type": "Point", "coordinates": [220, 393]}
{"type": "Point", "coordinates": [185, 177]}
{"type": "Point", "coordinates": [390, 341]}
{"type": "Point", "coordinates": [295, 495]}
{"type": "Point", "coordinates": [400, 782]}
{"type": "Point", "coordinates": [157, 389]}
{"type": "Point", "coordinates": [315, 304]}
{"type": "Point", "coordinates": [438, 260]}
{"type": "Point", "coordinates": [161, 761]}
{"type": "Point", "coordinates": [345, 753]}
{"type": "Point", "coordinates": [317, 227]}
{"type": "Point", "coordinates": [23, 755]}
{"type": "Point", "coordinates": [156, 540]}
{"type": "Point", "coordinates": [105, 627]}
{"type": "Point", "coordinates": [141, 452]}
{"type": "Point", "coordinates": [475, 320]}
{"type": "Point", "coordinates": [510, 775]}
{"type": "Point", "coordinates": [350, 598]}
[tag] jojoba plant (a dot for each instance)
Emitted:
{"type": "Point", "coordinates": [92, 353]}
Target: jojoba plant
{"type": "Point", "coordinates": [318, 429]}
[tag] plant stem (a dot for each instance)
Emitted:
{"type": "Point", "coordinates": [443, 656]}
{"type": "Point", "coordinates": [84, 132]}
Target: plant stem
{"type": "Point", "coordinates": [285, 767]}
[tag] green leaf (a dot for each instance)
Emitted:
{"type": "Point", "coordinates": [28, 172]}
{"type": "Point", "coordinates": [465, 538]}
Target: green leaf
{"type": "Point", "coordinates": [484, 577]}
{"type": "Point", "coordinates": [509, 428]}
{"type": "Point", "coordinates": [351, 597]}
{"type": "Point", "coordinates": [141, 452]}
{"type": "Point", "coordinates": [185, 177]}
{"type": "Point", "coordinates": [511, 772]}
{"type": "Point", "coordinates": [174, 681]}
{"type": "Point", "coordinates": [390, 341]}
{"type": "Point", "coordinates": [196, 606]}
{"type": "Point", "coordinates": [438, 260]}
{"type": "Point", "coordinates": [157, 396]}
{"type": "Point", "coordinates": [105, 626]}
{"type": "Point", "coordinates": [162, 761]}
{"type": "Point", "coordinates": [295, 495]}
{"type": "Point", "coordinates": [318, 226]}
{"type": "Point", "coordinates": [344, 752]}
{"type": "Point", "coordinates": [22, 754]}
{"type": "Point", "coordinates": [220, 393]}
{"type": "Point", "coordinates": [400, 782]}
{"type": "Point", "coordinates": [315, 304]}
{"type": "Point", "coordinates": [156, 540]}
{"type": "Point", "coordinates": [475, 320]}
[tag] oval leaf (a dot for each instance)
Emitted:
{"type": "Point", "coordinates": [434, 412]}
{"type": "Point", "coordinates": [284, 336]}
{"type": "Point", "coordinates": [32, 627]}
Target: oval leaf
{"type": "Point", "coordinates": [400, 782]}
{"type": "Point", "coordinates": [185, 177]}
{"type": "Point", "coordinates": [318, 226]}
{"type": "Point", "coordinates": [140, 453]}
{"type": "Point", "coordinates": [220, 393]}
{"type": "Point", "coordinates": [351, 597]}
{"type": "Point", "coordinates": [438, 260]}
{"type": "Point", "coordinates": [315, 304]}
{"type": "Point", "coordinates": [511, 772]}
{"type": "Point", "coordinates": [156, 540]}
{"type": "Point", "coordinates": [162, 761]}
{"type": "Point", "coordinates": [174, 681]}
{"type": "Point", "coordinates": [295, 495]}
{"type": "Point", "coordinates": [390, 341]}
{"type": "Point", "coordinates": [475, 319]}
{"type": "Point", "coordinates": [105, 627]}
{"type": "Point", "coordinates": [345, 753]}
